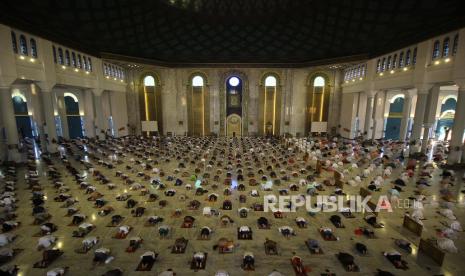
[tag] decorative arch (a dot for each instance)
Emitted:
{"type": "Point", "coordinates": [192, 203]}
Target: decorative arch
{"type": "Point", "coordinates": [395, 97]}
{"type": "Point", "coordinates": [150, 100]}
{"type": "Point", "coordinates": [198, 105]}
{"type": "Point", "coordinates": [317, 103]}
{"type": "Point", "coordinates": [272, 74]}
{"type": "Point", "coordinates": [269, 105]}
{"type": "Point", "coordinates": [68, 94]}
{"type": "Point", "coordinates": [448, 97]}
{"type": "Point", "coordinates": [206, 80]}
{"type": "Point", "coordinates": [245, 100]}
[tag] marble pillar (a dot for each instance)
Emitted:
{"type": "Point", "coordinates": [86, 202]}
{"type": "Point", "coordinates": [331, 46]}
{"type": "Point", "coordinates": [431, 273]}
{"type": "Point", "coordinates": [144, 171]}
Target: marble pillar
{"type": "Point", "coordinates": [9, 121]}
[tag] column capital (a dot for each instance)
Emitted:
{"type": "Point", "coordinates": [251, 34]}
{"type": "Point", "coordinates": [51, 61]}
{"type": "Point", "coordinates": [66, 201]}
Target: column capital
{"type": "Point", "coordinates": [460, 83]}
{"type": "Point", "coordinates": [423, 88]}
{"type": "Point", "coordinates": [371, 93]}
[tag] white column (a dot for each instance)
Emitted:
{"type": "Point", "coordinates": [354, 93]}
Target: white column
{"type": "Point", "coordinates": [422, 97]}
{"type": "Point", "coordinates": [456, 142]}
{"type": "Point", "coordinates": [61, 107]}
{"type": "Point", "coordinates": [9, 121]}
{"type": "Point", "coordinates": [405, 116]}
{"type": "Point", "coordinates": [49, 120]}
{"type": "Point", "coordinates": [430, 116]}
{"type": "Point", "coordinates": [99, 116]}
{"type": "Point", "coordinates": [368, 115]}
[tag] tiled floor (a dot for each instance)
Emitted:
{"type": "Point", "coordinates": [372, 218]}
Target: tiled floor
{"type": "Point", "coordinates": [81, 264]}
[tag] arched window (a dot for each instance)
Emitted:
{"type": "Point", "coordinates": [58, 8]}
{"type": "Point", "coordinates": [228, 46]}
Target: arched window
{"type": "Point", "coordinates": [445, 47]}
{"type": "Point", "coordinates": [363, 71]}
{"type": "Point", "coordinates": [319, 82]}
{"type": "Point", "coordinates": [23, 45]}
{"type": "Point", "coordinates": [75, 121]}
{"type": "Point", "coordinates": [270, 81]}
{"type": "Point", "coordinates": [455, 45]}
{"type": "Point", "coordinates": [89, 64]}
{"type": "Point", "coordinates": [407, 58]}
{"type": "Point", "coordinates": [149, 81]}
{"type": "Point", "coordinates": [197, 81]}
{"type": "Point", "coordinates": [84, 62]}
{"type": "Point", "coordinates": [73, 59]}
{"type": "Point", "coordinates": [378, 66]}
{"type": "Point", "coordinates": [436, 49]}
{"type": "Point", "coordinates": [13, 42]}
{"type": "Point", "coordinates": [33, 48]}
{"type": "Point", "coordinates": [67, 58]}
{"type": "Point", "coordinates": [23, 120]}
{"type": "Point", "coordinates": [394, 62]}
{"type": "Point", "coordinates": [105, 69]}
{"type": "Point", "coordinates": [383, 66]}
{"type": "Point", "coordinates": [389, 63]}
{"type": "Point", "coordinates": [60, 56]}
{"type": "Point", "coordinates": [401, 59]}
{"type": "Point", "coordinates": [79, 61]}
{"type": "Point", "coordinates": [54, 50]}
{"type": "Point", "coordinates": [414, 58]}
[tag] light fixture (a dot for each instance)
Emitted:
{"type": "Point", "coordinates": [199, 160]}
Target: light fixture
{"type": "Point", "coordinates": [76, 70]}
{"type": "Point", "coordinates": [63, 67]}
{"type": "Point", "coordinates": [87, 72]}
{"type": "Point", "coordinates": [353, 80]}
{"type": "Point", "coordinates": [114, 78]}
{"type": "Point", "coordinates": [121, 80]}
{"type": "Point", "coordinates": [22, 57]}
{"type": "Point", "coordinates": [392, 72]}
{"type": "Point", "coordinates": [405, 69]}
{"type": "Point", "coordinates": [32, 60]}
{"type": "Point", "coordinates": [381, 74]}
{"type": "Point", "coordinates": [447, 60]}
{"type": "Point", "coordinates": [347, 81]}
{"type": "Point", "coordinates": [107, 77]}
{"type": "Point", "coordinates": [437, 62]}
{"type": "Point", "coordinates": [361, 79]}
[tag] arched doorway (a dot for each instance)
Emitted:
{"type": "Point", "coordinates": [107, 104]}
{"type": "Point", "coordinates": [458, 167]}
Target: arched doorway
{"type": "Point", "coordinates": [317, 103]}
{"type": "Point", "coordinates": [73, 116]}
{"type": "Point", "coordinates": [198, 104]}
{"type": "Point", "coordinates": [394, 119]}
{"type": "Point", "coordinates": [150, 103]}
{"type": "Point", "coordinates": [446, 118]}
{"type": "Point", "coordinates": [269, 108]}
{"type": "Point", "coordinates": [233, 106]}
{"type": "Point", "coordinates": [23, 120]}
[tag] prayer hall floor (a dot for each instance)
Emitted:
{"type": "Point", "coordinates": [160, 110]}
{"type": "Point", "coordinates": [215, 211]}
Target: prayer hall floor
{"type": "Point", "coordinates": [81, 264]}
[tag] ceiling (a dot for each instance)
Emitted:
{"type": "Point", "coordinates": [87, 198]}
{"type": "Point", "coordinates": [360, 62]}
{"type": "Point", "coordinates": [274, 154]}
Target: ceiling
{"type": "Point", "coordinates": [186, 32]}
